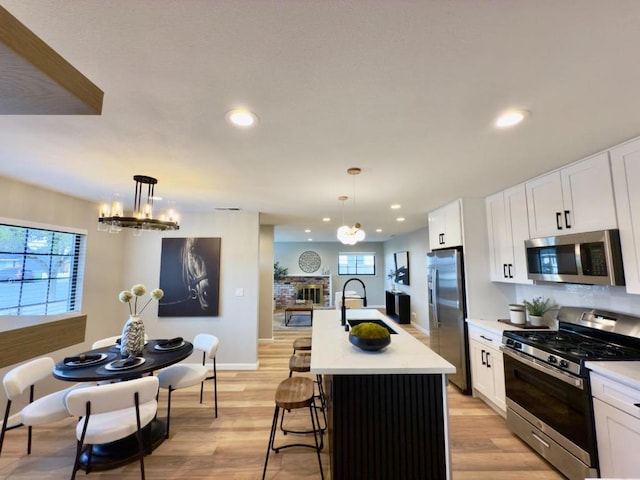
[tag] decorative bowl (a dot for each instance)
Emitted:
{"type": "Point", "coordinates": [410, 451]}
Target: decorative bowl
{"type": "Point", "coordinates": [371, 344]}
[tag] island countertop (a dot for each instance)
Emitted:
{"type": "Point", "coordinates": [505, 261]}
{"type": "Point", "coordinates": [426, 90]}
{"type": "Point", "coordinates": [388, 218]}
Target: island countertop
{"type": "Point", "coordinates": [334, 354]}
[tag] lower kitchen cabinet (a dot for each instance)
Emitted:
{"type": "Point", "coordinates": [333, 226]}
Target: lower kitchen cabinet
{"type": "Point", "coordinates": [616, 409]}
{"type": "Point", "coordinates": [487, 367]}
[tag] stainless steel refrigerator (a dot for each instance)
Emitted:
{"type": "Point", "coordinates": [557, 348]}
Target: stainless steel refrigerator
{"type": "Point", "coordinates": [447, 312]}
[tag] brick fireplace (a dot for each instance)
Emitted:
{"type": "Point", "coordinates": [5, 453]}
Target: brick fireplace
{"type": "Point", "coordinates": [314, 288]}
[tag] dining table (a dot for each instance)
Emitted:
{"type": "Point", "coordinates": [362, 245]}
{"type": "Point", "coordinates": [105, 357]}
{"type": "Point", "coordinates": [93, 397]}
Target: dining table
{"type": "Point", "coordinates": [106, 364]}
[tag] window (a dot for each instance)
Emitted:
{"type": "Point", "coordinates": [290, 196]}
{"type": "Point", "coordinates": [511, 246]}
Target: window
{"type": "Point", "coordinates": [40, 270]}
{"type": "Point", "coordinates": [356, 264]}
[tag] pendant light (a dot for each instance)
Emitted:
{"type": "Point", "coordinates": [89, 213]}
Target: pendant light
{"type": "Point", "coordinates": [112, 219]}
{"type": "Point", "coordinates": [346, 234]}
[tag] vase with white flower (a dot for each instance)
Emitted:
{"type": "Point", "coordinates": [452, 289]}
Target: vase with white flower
{"type": "Point", "coordinates": [132, 338]}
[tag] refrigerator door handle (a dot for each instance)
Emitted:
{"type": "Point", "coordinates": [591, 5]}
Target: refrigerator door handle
{"type": "Point", "coordinates": [433, 296]}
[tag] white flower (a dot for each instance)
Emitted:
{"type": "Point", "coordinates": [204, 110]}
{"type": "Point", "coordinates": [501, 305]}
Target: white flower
{"type": "Point", "coordinates": [138, 290]}
{"type": "Point", "coordinates": [157, 294]}
{"type": "Point", "coordinates": [125, 296]}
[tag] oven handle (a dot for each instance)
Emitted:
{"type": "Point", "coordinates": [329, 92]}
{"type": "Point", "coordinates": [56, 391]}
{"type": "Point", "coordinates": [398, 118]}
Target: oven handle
{"type": "Point", "coordinates": [541, 367]}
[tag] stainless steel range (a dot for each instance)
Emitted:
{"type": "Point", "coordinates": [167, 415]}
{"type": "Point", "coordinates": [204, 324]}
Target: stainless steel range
{"type": "Point", "coordinates": [547, 385]}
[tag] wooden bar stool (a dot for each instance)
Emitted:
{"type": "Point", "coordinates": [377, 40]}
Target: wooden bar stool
{"type": "Point", "coordinates": [302, 364]}
{"type": "Point", "coordinates": [303, 344]}
{"type": "Point", "coordinates": [291, 394]}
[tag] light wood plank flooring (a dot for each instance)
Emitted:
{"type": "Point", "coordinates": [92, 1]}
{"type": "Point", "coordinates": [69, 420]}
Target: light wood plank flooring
{"type": "Point", "coordinates": [233, 446]}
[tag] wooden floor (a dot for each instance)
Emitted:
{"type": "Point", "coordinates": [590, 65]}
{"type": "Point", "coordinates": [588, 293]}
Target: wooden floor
{"type": "Point", "coordinates": [233, 446]}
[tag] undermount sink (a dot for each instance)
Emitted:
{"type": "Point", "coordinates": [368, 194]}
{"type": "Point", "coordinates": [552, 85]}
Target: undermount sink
{"type": "Point", "coordinates": [357, 321]}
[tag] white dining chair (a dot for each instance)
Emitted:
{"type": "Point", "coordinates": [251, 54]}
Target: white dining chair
{"type": "Point", "coordinates": [46, 409]}
{"type": "Point", "coordinates": [112, 412]}
{"type": "Point", "coordinates": [105, 342]}
{"type": "Point", "coordinates": [183, 375]}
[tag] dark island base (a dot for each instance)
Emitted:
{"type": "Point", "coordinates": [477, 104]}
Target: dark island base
{"type": "Point", "coordinates": [121, 452]}
{"type": "Point", "coordinates": [387, 426]}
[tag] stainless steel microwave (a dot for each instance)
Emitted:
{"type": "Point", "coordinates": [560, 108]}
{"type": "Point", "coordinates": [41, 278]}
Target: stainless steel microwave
{"type": "Point", "coordinates": [591, 258]}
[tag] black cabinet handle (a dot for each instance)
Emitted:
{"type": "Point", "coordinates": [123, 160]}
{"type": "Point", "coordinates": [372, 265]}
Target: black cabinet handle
{"type": "Point", "coordinates": [488, 365]}
{"type": "Point", "coordinates": [566, 218]}
{"type": "Point", "coordinates": [482, 356]}
{"type": "Point", "coordinates": [504, 270]}
{"type": "Point", "coordinates": [636, 405]}
{"type": "Point", "coordinates": [487, 339]}
{"type": "Point", "coordinates": [442, 239]}
{"type": "Point", "coordinates": [510, 272]}
{"type": "Point", "coordinates": [559, 220]}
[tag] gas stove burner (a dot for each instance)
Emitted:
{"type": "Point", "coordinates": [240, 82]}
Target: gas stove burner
{"type": "Point", "coordinates": [560, 338]}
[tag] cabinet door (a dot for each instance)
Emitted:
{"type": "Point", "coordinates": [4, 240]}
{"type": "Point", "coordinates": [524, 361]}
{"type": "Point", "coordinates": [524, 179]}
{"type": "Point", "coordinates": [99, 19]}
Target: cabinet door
{"type": "Point", "coordinates": [618, 437]}
{"type": "Point", "coordinates": [436, 228]}
{"type": "Point", "coordinates": [496, 231]}
{"type": "Point", "coordinates": [587, 193]}
{"type": "Point", "coordinates": [453, 225]}
{"type": "Point", "coordinates": [481, 376]}
{"type": "Point", "coordinates": [625, 166]}
{"type": "Point", "coordinates": [445, 226]}
{"type": "Point", "coordinates": [496, 365]}
{"type": "Point", "coordinates": [517, 231]}
{"type": "Point", "coordinates": [544, 205]}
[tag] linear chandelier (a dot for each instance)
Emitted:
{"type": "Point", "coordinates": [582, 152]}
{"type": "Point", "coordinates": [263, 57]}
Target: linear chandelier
{"type": "Point", "coordinates": [354, 234]}
{"type": "Point", "coordinates": [112, 216]}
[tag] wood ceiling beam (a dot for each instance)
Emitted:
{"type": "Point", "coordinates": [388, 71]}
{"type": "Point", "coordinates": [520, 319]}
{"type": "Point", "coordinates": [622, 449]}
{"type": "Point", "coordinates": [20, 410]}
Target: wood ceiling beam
{"type": "Point", "coordinates": [35, 80]}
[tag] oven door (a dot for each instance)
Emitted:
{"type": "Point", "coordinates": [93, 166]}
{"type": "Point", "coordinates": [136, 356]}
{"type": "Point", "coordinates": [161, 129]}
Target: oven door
{"type": "Point", "coordinates": [555, 402]}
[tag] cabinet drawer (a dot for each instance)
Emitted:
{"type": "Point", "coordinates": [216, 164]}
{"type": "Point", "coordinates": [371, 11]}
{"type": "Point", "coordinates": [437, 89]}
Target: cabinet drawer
{"type": "Point", "coordinates": [620, 396]}
{"type": "Point", "coordinates": [489, 339]}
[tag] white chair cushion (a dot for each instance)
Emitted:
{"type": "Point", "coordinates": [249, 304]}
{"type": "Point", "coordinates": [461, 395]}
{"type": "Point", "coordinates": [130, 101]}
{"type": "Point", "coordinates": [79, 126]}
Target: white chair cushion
{"type": "Point", "coordinates": [182, 376]}
{"type": "Point", "coordinates": [47, 409]}
{"type": "Point", "coordinates": [110, 426]}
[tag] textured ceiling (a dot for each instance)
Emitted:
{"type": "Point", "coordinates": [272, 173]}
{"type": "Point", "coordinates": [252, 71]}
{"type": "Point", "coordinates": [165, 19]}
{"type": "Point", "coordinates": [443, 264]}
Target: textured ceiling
{"type": "Point", "coordinates": [406, 90]}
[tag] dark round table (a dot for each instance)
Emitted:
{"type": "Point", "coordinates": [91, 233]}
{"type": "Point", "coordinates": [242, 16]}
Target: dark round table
{"type": "Point", "coordinates": [118, 453]}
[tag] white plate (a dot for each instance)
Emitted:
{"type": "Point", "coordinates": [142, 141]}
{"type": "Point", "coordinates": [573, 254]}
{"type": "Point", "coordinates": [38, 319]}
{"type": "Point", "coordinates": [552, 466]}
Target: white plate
{"type": "Point", "coordinates": [110, 366]}
{"type": "Point", "coordinates": [168, 349]}
{"type": "Point", "coordinates": [85, 363]}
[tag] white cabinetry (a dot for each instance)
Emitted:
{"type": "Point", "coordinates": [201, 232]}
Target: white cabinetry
{"type": "Point", "coordinates": [625, 166]}
{"type": "Point", "coordinates": [487, 368]}
{"type": "Point", "coordinates": [617, 416]}
{"type": "Point", "coordinates": [508, 228]}
{"type": "Point", "coordinates": [445, 226]}
{"type": "Point", "coordinates": [577, 198]}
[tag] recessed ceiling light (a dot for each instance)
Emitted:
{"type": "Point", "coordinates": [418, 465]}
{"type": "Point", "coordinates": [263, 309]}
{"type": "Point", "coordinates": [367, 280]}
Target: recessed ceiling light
{"type": "Point", "coordinates": [511, 118]}
{"type": "Point", "coordinates": [306, 230]}
{"type": "Point", "coordinates": [400, 219]}
{"type": "Point", "coordinates": [396, 206]}
{"type": "Point", "coordinates": [326, 219]}
{"type": "Point", "coordinates": [378, 230]}
{"type": "Point", "coordinates": [309, 239]}
{"type": "Point", "coordinates": [241, 117]}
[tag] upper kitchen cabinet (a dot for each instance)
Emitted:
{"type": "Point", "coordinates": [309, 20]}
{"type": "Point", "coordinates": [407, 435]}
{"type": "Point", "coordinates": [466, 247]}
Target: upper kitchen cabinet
{"type": "Point", "coordinates": [508, 228]}
{"type": "Point", "coordinates": [445, 226]}
{"type": "Point", "coordinates": [577, 198]}
{"type": "Point", "coordinates": [625, 166]}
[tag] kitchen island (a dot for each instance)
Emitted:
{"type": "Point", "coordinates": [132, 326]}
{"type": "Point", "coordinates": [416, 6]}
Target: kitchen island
{"type": "Point", "coordinates": [387, 410]}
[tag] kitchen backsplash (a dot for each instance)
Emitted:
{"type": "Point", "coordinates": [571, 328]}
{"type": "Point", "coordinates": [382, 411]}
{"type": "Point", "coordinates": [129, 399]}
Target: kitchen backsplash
{"type": "Point", "coordinates": [589, 296]}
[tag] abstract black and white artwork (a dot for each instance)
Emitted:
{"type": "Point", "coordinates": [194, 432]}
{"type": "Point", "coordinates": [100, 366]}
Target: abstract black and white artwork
{"type": "Point", "coordinates": [190, 277]}
{"type": "Point", "coordinates": [402, 267]}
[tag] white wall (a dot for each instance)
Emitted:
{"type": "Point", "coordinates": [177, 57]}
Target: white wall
{"type": "Point", "coordinates": [237, 323]}
{"type": "Point", "coordinates": [417, 244]}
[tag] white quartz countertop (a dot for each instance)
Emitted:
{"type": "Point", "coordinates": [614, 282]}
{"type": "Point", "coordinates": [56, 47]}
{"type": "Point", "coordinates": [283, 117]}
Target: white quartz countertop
{"type": "Point", "coordinates": [627, 373]}
{"type": "Point", "coordinates": [493, 325]}
{"type": "Point", "coordinates": [332, 353]}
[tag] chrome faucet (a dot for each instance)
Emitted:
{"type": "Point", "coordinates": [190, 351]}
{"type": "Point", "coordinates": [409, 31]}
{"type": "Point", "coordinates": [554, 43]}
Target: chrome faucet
{"type": "Point", "coordinates": [343, 318]}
